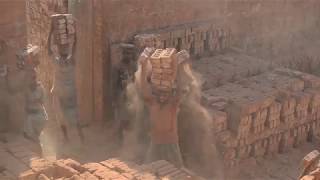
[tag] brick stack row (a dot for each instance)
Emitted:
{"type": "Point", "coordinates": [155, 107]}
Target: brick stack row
{"type": "Point", "coordinates": [198, 38]}
{"type": "Point", "coordinates": [164, 70]}
{"type": "Point", "coordinates": [264, 114]}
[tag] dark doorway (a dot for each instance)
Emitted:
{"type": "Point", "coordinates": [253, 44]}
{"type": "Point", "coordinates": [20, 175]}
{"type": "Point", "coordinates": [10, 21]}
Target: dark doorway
{"type": "Point", "coordinates": [179, 45]}
{"type": "Point", "coordinates": [192, 50]}
{"type": "Point", "coordinates": [310, 135]}
{"type": "Point", "coordinates": [4, 116]}
{"type": "Point", "coordinates": [206, 42]}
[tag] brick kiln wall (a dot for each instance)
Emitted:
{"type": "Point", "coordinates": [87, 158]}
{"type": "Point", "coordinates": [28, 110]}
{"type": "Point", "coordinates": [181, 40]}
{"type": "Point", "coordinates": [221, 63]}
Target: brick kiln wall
{"type": "Point", "coordinates": [13, 37]}
{"type": "Point", "coordinates": [265, 114]}
{"type": "Point", "coordinates": [12, 27]}
{"type": "Point", "coordinates": [257, 23]}
{"type": "Point", "coordinates": [257, 18]}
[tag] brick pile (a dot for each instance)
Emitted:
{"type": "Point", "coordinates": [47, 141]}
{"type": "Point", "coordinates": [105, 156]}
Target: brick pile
{"type": "Point", "coordinates": [264, 114]}
{"type": "Point", "coordinates": [109, 169]}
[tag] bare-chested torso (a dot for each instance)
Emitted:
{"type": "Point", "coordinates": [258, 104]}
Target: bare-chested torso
{"type": "Point", "coordinates": [163, 119]}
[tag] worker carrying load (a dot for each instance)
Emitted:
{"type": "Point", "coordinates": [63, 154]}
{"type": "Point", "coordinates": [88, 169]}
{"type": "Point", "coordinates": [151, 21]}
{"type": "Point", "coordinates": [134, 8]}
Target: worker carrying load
{"type": "Point", "coordinates": [162, 93]}
{"type": "Point", "coordinates": [28, 61]}
{"type": "Point", "coordinates": [61, 47]}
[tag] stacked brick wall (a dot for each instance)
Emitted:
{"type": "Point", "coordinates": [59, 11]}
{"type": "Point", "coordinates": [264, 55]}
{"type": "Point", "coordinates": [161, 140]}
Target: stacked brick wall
{"type": "Point", "coordinates": [198, 38]}
{"type": "Point", "coordinates": [265, 114]}
{"type": "Point", "coordinates": [246, 18]}
{"type": "Point", "coordinates": [254, 25]}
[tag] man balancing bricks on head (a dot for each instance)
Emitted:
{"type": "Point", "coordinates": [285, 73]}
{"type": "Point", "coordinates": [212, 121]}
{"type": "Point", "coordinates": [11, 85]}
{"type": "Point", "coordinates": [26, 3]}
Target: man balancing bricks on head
{"type": "Point", "coordinates": [158, 82]}
{"type": "Point", "coordinates": [62, 47]}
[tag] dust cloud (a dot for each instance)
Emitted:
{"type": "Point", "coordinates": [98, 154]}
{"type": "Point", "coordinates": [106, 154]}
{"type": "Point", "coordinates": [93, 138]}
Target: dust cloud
{"type": "Point", "coordinates": [194, 125]}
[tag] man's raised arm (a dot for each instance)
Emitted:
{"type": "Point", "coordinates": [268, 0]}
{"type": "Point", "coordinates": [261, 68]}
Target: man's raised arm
{"type": "Point", "coordinates": [143, 61]}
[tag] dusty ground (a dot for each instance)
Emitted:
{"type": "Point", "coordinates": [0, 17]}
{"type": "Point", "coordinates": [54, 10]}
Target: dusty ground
{"type": "Point", "coordinates": [15, 155]}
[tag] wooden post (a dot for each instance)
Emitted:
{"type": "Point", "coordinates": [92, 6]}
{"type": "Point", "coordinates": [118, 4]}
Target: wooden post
{"type": "Point", "coordinates": [83, 12]}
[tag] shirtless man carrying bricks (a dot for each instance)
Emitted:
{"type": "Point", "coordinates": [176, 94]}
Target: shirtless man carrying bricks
{"type": "Point", "coordinates": [163, 103]}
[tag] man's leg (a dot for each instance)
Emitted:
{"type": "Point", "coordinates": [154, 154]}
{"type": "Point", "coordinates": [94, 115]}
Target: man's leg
{"type": "Point", "coordinates": [27, 127]}
{"type": "Point", "coordinates": [3, 118]}
{"type": "Point", "coordinates": [59, 117]}
{"type": "Point", "coordinates": [173, 154]}
{"type": "Point", "coordinates": [153, 153]}
{"type": "Point", "coordinates": [168, 152]}
{"type": "Point", "coordinates": [40, 123]}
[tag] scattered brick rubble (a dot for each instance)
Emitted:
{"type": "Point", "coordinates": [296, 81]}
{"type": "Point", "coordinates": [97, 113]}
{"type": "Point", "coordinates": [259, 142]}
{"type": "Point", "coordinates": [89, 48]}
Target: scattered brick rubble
{"type": "Point", "coordinates": [69, 169]}
{"type": "Point", "coordinates": [264, 114]}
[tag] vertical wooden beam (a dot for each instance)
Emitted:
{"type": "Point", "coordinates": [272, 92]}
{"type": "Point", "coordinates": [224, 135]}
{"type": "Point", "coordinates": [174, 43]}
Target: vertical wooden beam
{"type": "Point", "coordinates": [98, 60]}
{"type": "Point", "coordinates": [83, 11]}
{"type": "Point", "coordinates": [106, 41]}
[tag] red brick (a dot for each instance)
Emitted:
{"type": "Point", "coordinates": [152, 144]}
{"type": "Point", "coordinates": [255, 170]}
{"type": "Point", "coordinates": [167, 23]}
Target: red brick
{"type": "Point", "coordinates": [87, 175]}
{"type": "Point", "coordinates": [43, 177]}
{"type": "Point", "coordinates": [73, 164]}
{"type": "Point", "coordinates": [105, 173]}
{"type": "Point", "coordinates": [42, 166]}
{"type": "Point", "coordinates": [62, 170]}
{"type": "Point", "coordinates": [92, 167]}
{"type": "Point", "coordinates": [28, 175]}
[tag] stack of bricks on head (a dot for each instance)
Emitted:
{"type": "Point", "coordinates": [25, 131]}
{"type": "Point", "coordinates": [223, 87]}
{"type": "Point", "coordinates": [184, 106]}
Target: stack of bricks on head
{"type": "Point", "coordinates": [264, 114]}
{"type": "Point", "coordinates": [63, 31]}
{"type": "Point", "coordinates": [164, 70]}
{"type": "Point", "coordinates": [69, 169]}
